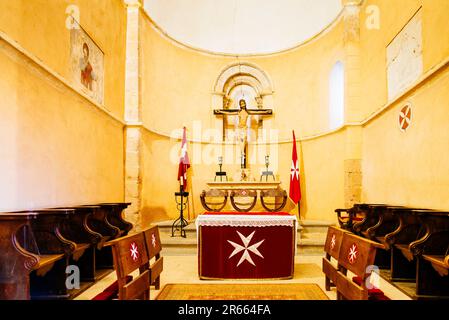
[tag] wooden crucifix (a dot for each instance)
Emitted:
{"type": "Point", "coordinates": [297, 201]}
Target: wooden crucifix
{"type": "Point", "coordinates": [243, 113]}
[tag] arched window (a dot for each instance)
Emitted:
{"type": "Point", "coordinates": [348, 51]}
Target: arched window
{"type": "Point", "coordinates": [337, 96]}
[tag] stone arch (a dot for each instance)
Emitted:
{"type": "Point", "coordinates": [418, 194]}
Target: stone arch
{"type": "Point", "coordinates": [243, 68]}
{"type": "Point", "coordinates": [242, 73]}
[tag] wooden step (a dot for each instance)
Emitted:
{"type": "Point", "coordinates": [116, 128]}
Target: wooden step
{"type": "Point", "coordinates": [311, 238]}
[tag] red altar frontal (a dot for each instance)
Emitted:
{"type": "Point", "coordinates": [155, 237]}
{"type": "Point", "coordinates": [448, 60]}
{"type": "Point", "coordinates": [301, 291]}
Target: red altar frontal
{"type": "Point", "coordinates": [256, 245]}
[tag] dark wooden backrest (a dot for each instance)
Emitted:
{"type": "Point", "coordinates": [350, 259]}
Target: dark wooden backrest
{"type": "Point", "coordinates": [153, 242]}
{"type": "Point", "coordinates": [334, 239]}
{"type": "Point", "coordinates": [356, 254]}
{"type": "Point", "coordinates": [154, 247]}
{"type": "Point", "coordinates": [130, 254]}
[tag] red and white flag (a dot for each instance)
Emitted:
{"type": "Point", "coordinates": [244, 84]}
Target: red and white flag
{"type": "Point", "coordinates": [184, 162]}
{"type": "Point", "coordinates": [295, 189]}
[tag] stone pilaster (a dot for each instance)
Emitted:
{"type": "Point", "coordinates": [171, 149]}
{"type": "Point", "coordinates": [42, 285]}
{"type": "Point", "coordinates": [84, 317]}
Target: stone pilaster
{"type": "Point", "coordinates": [353, 108]}
{"type": "Point", "coordinates": [352, 63]}
{"type": "Point", "coordinates": [133, 135]}
{"type": "Point", "coordinates": [353, 166]}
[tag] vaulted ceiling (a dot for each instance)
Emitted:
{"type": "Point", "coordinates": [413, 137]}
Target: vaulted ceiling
{"type": "Point", "coordinates": [243, 26]}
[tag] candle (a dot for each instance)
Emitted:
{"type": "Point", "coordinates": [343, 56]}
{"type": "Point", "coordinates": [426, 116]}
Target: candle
{"type": "Point", "coordinates": [182, 180]}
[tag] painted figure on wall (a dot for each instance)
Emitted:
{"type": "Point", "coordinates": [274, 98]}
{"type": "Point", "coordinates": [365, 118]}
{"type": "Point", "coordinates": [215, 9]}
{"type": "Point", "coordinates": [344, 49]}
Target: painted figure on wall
{"type": "Point", "coordinates": [86, 64]}
{"type": "Point", "coordinates": [87, 73]}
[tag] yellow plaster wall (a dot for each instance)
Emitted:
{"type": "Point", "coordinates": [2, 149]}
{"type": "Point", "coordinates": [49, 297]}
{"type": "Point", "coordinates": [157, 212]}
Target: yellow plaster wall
{"type": "Point", "coordinates": [407, 168]}
{"type": "Point", "coordinates": [57, 148]}
{"type": "Point", "coordinates": [321, 166]}
{"type": "Point", "coordinates": [39, 26]}
{"type": "Point", "coordinates": [300, 79]}
{"type": "Point", "coordinates": [394, 15]}
{"type": "Point", "coordinates": [176, 90]}
{"type": "Point", "coordinates": [175, 79]}
{"type": "Point", "coordinates": [410, 168]}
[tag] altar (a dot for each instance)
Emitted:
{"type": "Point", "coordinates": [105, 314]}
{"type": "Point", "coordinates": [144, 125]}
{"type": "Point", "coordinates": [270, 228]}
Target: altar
{"type": "Point", "coordinates": [256, 245]}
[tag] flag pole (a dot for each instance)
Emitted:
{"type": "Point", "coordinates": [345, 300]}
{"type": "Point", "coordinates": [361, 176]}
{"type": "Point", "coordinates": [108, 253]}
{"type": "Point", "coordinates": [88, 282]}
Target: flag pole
{"type": "Point", "coordinates": [299, 210]}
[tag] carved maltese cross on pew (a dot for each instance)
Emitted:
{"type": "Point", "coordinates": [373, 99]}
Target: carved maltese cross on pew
{"type": "Point", "coordinates": [134, 251]}
{"type": "Point", "coordinates": [246, 250]}
{"type": "Point", "coordinates": [333, 241]}
{"type": "Point", "coordinates": [353, 254]}
{"type": "Point", "coordinates": [153, 240]}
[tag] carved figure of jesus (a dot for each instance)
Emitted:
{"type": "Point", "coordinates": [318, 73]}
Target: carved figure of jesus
{"type": "Point", "coordinates": [243, 125]}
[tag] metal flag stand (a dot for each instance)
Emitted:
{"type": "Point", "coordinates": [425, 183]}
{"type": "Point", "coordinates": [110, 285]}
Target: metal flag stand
{"type": "Point", "coordinates": [182, 198]}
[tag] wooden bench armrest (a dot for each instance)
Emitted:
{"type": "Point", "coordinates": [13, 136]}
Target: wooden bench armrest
{"type": "Point", "coordinates": [345, 222]}
{"type": "Point", "coordinates": [46, 263]}
{"type": "Point", "coordinates": [438, 259]}
{"type": "Point", "coordinates": [431, 243]}
{"type": "Point", "coordinates": [439, 262]}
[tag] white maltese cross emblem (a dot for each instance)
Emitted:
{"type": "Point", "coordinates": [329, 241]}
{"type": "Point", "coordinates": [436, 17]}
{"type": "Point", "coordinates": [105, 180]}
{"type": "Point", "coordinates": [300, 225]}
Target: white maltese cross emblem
{"type": "Point", "coordinates": [153, 240]}
{"type": "Point", "coordinates": [333, 241]}
{"type": "Point", "coordinates": [134, 251]}
{"type": "Point", "coordinates": [353, 254]}
{"type": "Point", "coordinates": [246, 248]}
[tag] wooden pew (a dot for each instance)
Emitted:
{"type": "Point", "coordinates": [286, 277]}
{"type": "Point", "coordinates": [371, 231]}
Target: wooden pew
{"type": "Point", "coordinates": [106, 219]}
{"type": "Point", "coordinates": [359, 218]}
{"type": "Point", "coordinates": [372, 221]}
{"type": "Point", "coordinates": [347, 220]}
{"type": "Point", "coordinates": [47, 281]}
{"type": "Point", "coordinates": [433, 275]}
{"type": "Point", "coordinates": [432, 256]}
{"type": "Point", "coordinates": [356, 255]}
{"type": "Point", "coordinates": [332, 249]}
{"type": "Point", "coordinates": [154, 248]}
{"type": "Point", "coordinates": [38, 245]}
{"type": "Point", "coordinates": [387, 223]}
{"type": "Point", "coordinates": [114, 215]}
{"type": "Point", "coordinates": [41, 239]}
{"type": "Point", "coordinates": [98, 222]}
{"type": "Point", "coordinates": [371, 216]}
{"type": "Point", "coordinates": [76, 229]}
{"type": "Point", "coordinates": [16, 263]}
{"type": "Point", "coordinates": [130, 254]}
{"type": "Point", "coordinates": [405, 242]}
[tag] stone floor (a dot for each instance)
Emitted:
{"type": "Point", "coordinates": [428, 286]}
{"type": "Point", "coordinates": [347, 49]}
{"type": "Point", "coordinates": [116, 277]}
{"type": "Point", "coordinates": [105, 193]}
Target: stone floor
{"type": "Point", "coordinates": [183, 269]}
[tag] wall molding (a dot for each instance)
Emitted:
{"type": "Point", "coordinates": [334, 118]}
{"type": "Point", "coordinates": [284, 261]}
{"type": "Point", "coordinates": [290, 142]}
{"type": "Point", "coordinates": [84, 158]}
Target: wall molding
{"type": "Point", "coordinates": [28, 58]}
{"type": "Point", "coordinates": [424, 79]}
{"type": "Point", "coordinates": [432, 73]}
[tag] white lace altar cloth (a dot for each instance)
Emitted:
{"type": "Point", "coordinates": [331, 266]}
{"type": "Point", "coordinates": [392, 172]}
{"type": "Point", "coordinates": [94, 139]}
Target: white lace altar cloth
{"type": "Point", "coordinates": [237, 220]}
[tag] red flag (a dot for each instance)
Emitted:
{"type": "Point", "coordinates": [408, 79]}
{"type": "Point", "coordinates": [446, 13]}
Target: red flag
{"type": "Point", "coordinates": [295, 189]}
{"type": "Point", "coordinates": [184, 162]}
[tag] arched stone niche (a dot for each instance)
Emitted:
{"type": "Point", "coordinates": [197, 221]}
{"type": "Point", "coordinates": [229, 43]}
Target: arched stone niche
{"type": "Point", "coordinates": [242, 75]}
